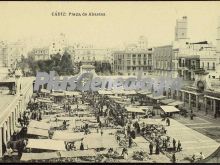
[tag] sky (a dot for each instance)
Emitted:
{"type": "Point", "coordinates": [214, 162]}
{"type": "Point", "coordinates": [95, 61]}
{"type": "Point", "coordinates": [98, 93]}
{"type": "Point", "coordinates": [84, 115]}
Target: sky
{"type": "Point", "coordinates": [123, 22]}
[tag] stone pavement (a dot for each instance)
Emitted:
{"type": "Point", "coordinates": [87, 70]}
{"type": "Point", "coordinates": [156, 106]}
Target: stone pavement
{"type": "Point", "coordinates": [192, 141]}
{"type": "Point", "coordinates": [204, 124]}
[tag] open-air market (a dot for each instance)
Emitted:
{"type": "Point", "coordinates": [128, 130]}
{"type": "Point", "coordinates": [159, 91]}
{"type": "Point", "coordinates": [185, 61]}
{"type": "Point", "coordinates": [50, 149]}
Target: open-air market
{"type": "Point", "coordinates": [134, 82]}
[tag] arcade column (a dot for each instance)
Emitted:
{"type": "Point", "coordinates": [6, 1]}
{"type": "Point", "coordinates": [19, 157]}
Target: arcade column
{"type": "Point", "coordinates": [189, 101]}
{"type": "Point", "coordinates": [205, 104]}
{"type": "Point", "coordinates": [197, 102]}
{"type": "Point", "coordinates": [183, 97]}
{"type": "Point", "coordinates": [1, 152]}
{"type": "Point", "coordinates": [214, 106]}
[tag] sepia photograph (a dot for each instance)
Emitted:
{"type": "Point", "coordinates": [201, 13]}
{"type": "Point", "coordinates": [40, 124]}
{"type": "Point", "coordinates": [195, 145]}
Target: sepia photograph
{"type": "Point", "coordinates": [110, 82]}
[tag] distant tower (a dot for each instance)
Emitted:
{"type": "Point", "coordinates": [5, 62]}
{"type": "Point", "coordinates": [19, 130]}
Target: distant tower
{"type": "Point", "coordinates": [218, 40]}
{"type": "Point", "coordinates": [142, 43]}
{"type": "Point", "coordinates": [181, 29]}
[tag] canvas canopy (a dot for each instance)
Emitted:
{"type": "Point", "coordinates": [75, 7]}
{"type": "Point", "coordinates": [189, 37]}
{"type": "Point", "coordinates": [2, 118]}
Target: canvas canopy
{"type": "Point", "coordinates": [44, 100]}
{"type": "Point", "coordinates": [45, 91]}
{"type": "Point", "coordinates": [93, 141]}
{"type": "Point", "coordinates": [130, 92]}
{"type": "Point", "coordinates": [135, 109]}
{"type": "Point", "coordinates": [78, 153]}
{"type": "Point", "coordinates": [71, 93]}
{"type": "Point", "coordinates": [68, 136]}
{"type": "Point", "coordinates": [175, 103]}
{"type": "Point", "coordinates": [80, 106]}
{"type": "Point", "coordinates": [48, 144]}
{"type": "Point", "coordinates": [105, 92]}
{"type": "Point", "coordinates": [169, 109]}
{"type": "Point", "coordinates": [156, 97]}
{"type": "Point", "coordinates": [115, 97]}
{"type": "Point", "coordinates": [144, 92]}
{"type": "Point", "coordinates": [36, 131]}
{"type": "Point", "coordinates": [57, 94]}
{"type": "Point", "coordinates": [39, 124]}
{"type": "Point", "coordinates": [167, 101]}
{"type": "Point", "coordinates": [39, 156]}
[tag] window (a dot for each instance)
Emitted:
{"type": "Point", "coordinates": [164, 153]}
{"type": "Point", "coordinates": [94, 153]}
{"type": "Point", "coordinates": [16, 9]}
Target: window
{"type": "Point", "coordinates": [208, 65]}
{"type": "Point", "coordinates": [134, 55]}
{"type": "Point", "coordinates": [134, 62]}
{"type": "Point", "coordinates": [139, 55]}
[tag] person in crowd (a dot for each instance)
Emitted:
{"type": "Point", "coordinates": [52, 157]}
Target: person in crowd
{"type": "Point", "coordinates": [124, 153]}
{"type": "Point", "coordinates": [173, 158]}
{"type": "Point", "coordinates": [151, 146]}
{"type": "Point", "coordinates": [64, 124]}
{"type": "Point", "coordinates": [168, 122]}
{"type": "Point", "coordinates": [9, 152]}
{"type": "Point", "coordinates": [14, 136]}
{"type": "Point", "coordinates": [157, 151]}
{"type": "Point", "coordinates": [179, 148]}
{"type": "Point", "coordinates": [101, 131]}
{"type": "Point", "coordinates": [174, 144]}
{"type": "Point", "coordinates": [81, 146]}
{"type": "Point", "coordinates": [130, 141]}
{"type": "Point", "coordinates": [201, 156]}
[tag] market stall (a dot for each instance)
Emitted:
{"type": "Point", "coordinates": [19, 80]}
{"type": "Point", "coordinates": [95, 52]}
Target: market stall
{"type": "Point", "coordinates": [46, 144]}
{"type": "Point", "coordinates": [39, 156]}
{"type": "Point", "coordinates": [39, 124]}
{"type": "Point", "coordinates": [38, 132]}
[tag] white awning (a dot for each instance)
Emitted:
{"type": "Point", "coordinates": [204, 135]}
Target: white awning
{"type": "Point", "coordinates": [36, 131]}
{"type": "Point", "coordinates": [144, 92]}
{"type": "Point", "coordinates": [72, 93]}
{"type": "Point", "coordinates": [78, 153]}
{"type": "Point", "coordinates": [39, 156]}
{"type": "Point", "coordinates": [57, 94]}
{"type": "Point", "coordinates": [176, 103]}
{"type": "Point", "coordinates": [135, 109]}
{"type": "Point", "coordinates": [131, 92]}
{"type": "Point", "coordinates": [45, 91]}
{"type": "Point", "coordinates": [115, 97]}
{"type": "Point", "coordinates": [156, 97]}
{"type": "Point", "coordinates": [68, 136]}
{"type": "Point", "coordinates": [44, 101]}
{"type": "Point", "coordinates": [39, 124]}
{"type": "Point", "coordinates": [47, 144]}
{"type": "Point", "coordinates": [93, 141]}
{"type": "Point", "coordinates": [105, 92]}
{"type": "Point", "coordinates": [169, 109]}
{"type": "Point", "coordinates": [167, 101]}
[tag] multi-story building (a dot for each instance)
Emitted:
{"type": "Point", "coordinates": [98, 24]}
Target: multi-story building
{"type": "Point", "coordinates": [181, 29]}
{"type": "Point", "coordinates": [218, 41]}
{"type": "Point", "coordinates": [40, 54]}
{"type": "Point", "coordinates": [58, 45]}
{"type": "Point", "coordinates": [11, 53]}
{"type": "Point", "coordinates": [87, 54]}
{"type": "Point", "coordinates": [133, 62]}
{"type": "Point", "coordinates": [202, 55]}
{"type": "Point", "coordinates": [163, 59]}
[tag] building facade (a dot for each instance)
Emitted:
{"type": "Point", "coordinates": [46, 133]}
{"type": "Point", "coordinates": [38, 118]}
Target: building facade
{"type": "Point", "coordinates": [40, 54]}
{"type": "Point", "coordinates": [11, 53]}
{"type": "Point", "coordinates": [133, 62]}
{"type": "Point", "coordinates": [199, 55]}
